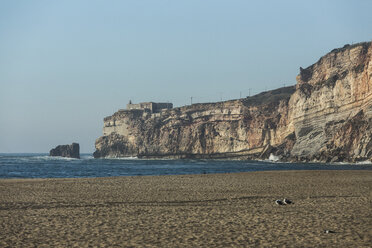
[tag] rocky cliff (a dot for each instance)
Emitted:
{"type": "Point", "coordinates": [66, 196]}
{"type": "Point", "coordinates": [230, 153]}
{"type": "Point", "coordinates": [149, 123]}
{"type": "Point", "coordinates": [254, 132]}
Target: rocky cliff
{"type": "Point", "coordinates": [331, 109]}
{"type": "Point", "coordinates": [69, 151]}
{"type": "Point", "coordinates": [327, 116]}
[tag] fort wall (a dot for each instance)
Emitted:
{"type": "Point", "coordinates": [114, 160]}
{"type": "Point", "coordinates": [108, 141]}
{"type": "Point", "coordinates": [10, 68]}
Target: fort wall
{"type": "Point", "coordinates": [153, 107]}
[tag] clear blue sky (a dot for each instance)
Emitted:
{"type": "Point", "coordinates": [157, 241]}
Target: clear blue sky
{"type": "Point", "coordinates": [65, 65]}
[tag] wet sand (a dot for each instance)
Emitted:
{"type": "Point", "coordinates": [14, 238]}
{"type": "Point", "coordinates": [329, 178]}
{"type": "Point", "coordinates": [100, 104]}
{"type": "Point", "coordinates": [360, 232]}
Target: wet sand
{"type": "Point", "coordinates": [219, 210]}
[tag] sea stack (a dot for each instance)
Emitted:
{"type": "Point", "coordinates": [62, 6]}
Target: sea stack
{"type": "Point", "coordinates": [69, 151]}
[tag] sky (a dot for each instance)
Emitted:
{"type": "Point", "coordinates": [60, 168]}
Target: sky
{"type": "Point", "coordinates": [65, 65]}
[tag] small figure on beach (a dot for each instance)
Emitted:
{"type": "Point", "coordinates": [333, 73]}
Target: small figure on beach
{"type": "Point", "coordinates": [279, 202]}
{"type": "Point", "coordinates": [284, 202]}
{"type": "Point", "coordinates": [329, 231]}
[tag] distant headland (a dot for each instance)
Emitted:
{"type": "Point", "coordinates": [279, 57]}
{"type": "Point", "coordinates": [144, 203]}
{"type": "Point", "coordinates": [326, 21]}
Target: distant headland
{"type": "Point", "coordinates": [325, 117]}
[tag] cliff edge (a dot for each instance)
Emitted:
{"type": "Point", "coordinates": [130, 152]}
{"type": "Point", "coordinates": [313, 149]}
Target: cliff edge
{"type": "Point", "coordinates": [326, 116]}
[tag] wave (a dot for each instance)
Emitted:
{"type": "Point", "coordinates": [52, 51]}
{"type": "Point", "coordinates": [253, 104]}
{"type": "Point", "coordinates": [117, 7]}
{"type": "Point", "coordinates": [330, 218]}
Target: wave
{"type": "Point", "coordinates": [82, 157]}
{"type": "Point", "coordinates": [364, 162]}
{"type": "Point", "coordinates": [121, 158]}
{"type": "Point", "coordinates": [272, 159]}
{"type": "Point", "coordinates": [86, 157]}
{"type": "Point", "coordinates": [53, 158]}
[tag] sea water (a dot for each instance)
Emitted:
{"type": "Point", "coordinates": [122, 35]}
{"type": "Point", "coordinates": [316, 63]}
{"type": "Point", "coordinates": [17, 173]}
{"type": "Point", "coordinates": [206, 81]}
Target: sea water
{"type": "Point", "coordinates": [43, 166]}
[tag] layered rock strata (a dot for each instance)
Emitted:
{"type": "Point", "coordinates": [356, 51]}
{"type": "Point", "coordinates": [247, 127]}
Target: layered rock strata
{"type": "Point", "coordinates": [69, 151]}
{"type": "Point", "coordinates": [331, 109]}
{"type": "Point", "coordinates": [326, 116]}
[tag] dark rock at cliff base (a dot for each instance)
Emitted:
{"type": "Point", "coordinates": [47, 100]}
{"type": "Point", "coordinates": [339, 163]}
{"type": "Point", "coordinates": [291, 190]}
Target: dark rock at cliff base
{"type": "Point", "coordinates": [69, 151]}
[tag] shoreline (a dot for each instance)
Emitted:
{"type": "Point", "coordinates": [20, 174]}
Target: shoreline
{"type": "Point", "coordinates": [190, 210]}
{"type": "Point", "coordinates": [275, 159]}
{"type": "Point", "coordinates": [196, 174]}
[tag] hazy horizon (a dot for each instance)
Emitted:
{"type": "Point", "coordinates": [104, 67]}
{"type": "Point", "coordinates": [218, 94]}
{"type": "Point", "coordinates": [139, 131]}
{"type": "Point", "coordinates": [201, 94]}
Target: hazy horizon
{"type": "Point", "coordinates": [65, 65]}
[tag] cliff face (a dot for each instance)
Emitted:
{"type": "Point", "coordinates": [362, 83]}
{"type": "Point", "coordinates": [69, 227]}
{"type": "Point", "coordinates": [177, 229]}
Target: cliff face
{"type": "Point", "coordinates": [238, 128]}
{"type": "Point", "coordinates": [331, 108]}
{"type": "Point", "coordinates": [326, 116]}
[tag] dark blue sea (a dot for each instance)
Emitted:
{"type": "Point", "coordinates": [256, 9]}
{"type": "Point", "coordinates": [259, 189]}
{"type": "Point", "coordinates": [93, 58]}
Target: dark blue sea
{"type": "Point", "coordinates": [43, 166]}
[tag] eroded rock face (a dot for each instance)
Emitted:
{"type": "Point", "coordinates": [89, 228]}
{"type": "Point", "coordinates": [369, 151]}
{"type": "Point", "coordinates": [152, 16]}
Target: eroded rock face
{"type": "Point", "coordinates": [244, 128]}
{"type": "Point", "coordinates": [70, 151]}
{"type": "Point", "coordinates": [325, 117]}
{"type": "Point", "coordinates": [331, 108]}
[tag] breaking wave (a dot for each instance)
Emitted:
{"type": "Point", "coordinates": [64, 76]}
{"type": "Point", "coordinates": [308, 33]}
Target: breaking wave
{"type": "Point", "coordinates": [53, 158]}
{"type": "Point", "coordinates": [364, 162]}
{"type": "Point", "coordinates": [273, 158]}
{"type": "Point", "coordinates": [121, 158]}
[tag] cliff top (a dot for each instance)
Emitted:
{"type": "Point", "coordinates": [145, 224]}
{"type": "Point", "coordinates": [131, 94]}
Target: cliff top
{"type": "Point", "coordinates": [263, 98]}
{"type": "Point", "coordinates": [271, 96]}
{"type": "Point", "coordinates": [344, 57]}
{"type": "Point", "coordinates": [365, 44]}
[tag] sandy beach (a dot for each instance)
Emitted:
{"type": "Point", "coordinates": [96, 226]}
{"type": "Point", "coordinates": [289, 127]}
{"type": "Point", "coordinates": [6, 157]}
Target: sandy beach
{"type": "Point", "coordinates": [220, 210]}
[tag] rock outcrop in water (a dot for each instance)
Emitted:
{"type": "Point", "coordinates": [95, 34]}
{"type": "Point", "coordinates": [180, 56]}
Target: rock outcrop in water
{"type": "Point", "coordinates": [326, 117]}
{"type": "Point", "coordinates": [70, 151]}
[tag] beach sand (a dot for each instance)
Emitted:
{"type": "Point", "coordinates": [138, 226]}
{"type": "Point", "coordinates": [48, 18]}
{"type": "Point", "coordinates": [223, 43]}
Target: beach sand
{"type": "Point", "coordinates": [219, 210]}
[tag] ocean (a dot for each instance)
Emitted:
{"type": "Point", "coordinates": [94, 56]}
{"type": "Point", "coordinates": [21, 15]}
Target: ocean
{"type": "Point", "coordinates": [43, 166]}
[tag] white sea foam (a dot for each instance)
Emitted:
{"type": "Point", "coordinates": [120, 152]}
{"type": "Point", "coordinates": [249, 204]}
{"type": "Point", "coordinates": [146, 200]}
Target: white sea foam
{"type": "Point", "coordinates": [86, 157]}
{"type": "Point", "coordinates": [340, 163]}
{"type": "Point", "coordinates": [121, 158]}
{"type": "Point", "coordinates": [273, 158]}
{"type": "Point", "coordinates": [53, 158]}
{"type": "Point", "coordinates": [46, 157]}
{"type": "Point", "coordinates": [364, 162]}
